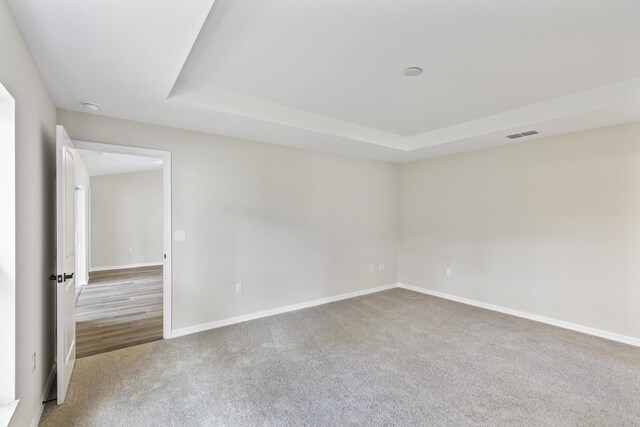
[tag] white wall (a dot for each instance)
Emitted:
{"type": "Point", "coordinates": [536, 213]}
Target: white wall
{"type": "Point", "coordinates": [127, 219]}
{"type": "Point", "coordinates": [291, 225]}
{"type": "Point", "coordinates": [35, 178]}
{"type": "Point", "coordinates": [549, 227]}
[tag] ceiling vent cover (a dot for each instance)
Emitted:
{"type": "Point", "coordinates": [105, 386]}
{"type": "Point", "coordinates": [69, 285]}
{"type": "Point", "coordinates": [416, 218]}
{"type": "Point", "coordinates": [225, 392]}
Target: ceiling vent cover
{"type": "Point", "coordinates": [520, 135]}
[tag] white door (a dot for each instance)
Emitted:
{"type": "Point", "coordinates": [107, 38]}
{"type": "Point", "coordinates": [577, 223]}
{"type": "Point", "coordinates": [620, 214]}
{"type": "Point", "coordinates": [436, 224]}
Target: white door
{"type": "Point", "coordinates": [65, 262]}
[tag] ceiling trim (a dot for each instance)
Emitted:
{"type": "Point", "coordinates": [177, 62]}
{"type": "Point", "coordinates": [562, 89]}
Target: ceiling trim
{"type": "Point", "coordinates": [617, 95]}
{"type": "Point", "coordinates": [604, 97]}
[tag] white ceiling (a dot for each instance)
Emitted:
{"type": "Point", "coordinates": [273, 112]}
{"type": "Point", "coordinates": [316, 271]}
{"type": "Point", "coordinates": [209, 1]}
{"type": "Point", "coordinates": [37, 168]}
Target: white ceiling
{"type": "Point", "coordinates": [112, 163]}
{"type": "Point", "coordinates": [327, 75]}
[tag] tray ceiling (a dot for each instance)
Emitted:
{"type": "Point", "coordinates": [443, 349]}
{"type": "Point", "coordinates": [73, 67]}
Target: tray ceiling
{"type": "Point", "coordinates": [329, 75]}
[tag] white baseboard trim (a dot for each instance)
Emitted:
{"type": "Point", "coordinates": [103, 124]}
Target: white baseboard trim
{"type": "Point", "coordinates": [560, 323]}
{"type": "Point", "coordinates": [47, 388]}
{"type": "Point", "coordinates": [238, 319]}
{"type": "Point", "coordinates": [121, 267]}
{"type": "Point", "coordinates": [537, 318]}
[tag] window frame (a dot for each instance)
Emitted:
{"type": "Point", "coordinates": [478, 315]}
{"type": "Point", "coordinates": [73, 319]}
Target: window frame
{"type": "Point", "coordinates": [7, 247]}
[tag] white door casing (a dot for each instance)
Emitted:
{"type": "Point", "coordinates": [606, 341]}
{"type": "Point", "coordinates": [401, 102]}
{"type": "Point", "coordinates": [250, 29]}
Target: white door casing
{"type": "Point", "coordinates": [167, 294]}
{"type": "Point", "coordinates": [65, 262]}
{"type": "Point", "coordinates": [81, 276]}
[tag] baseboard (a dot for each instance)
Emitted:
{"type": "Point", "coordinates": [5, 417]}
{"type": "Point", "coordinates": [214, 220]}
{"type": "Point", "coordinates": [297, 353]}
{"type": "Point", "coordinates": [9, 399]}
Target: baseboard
{"type": "Point", "coordinates": [122, 267]}
{"type": "Point", "coordinates": [238, 319]}
{"type": "Point", "coordinates": [537, 318]}
{"type": "Point", "coordinates": [560, 323]}
{"type": "Point", "coordinates": [45, 393]}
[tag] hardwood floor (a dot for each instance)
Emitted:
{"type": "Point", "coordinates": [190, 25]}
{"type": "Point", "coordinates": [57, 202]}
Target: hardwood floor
{"type": "Point", "coordinates": [119, 308]}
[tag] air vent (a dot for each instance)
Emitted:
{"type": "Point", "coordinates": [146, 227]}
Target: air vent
{"type": "Point", "coordinates": [520, 135]}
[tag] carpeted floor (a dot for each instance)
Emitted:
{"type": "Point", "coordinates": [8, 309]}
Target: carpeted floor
{"type": "Point", "coordinates": [391, 358]}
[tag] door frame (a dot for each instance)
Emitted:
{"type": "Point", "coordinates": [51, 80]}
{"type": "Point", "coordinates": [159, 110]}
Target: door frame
{"type": "Point", "coordinates": [81, 235]}
{"type": "Point", "coordinates": [167, 227]}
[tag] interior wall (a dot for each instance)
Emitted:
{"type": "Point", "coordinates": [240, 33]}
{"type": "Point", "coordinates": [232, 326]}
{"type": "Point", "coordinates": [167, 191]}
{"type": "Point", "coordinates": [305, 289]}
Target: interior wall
{"type": "Point", "coordinates": [35, 179]}
{"type": "Point", "coordinates": [291, 225]}
{"type": "Point", "coordinates": [127, 219]}
{"type": "Point", "coordinates": [550, 227]}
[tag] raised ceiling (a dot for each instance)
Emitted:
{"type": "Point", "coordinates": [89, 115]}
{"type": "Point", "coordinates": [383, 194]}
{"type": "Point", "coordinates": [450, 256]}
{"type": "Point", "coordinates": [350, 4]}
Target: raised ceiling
{"type": "Point", "coordinates": [328, 75]}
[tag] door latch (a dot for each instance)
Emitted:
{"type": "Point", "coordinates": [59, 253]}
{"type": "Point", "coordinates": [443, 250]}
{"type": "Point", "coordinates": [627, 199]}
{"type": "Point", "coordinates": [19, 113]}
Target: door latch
{"type": "Point", "coordinates": [61, 277]}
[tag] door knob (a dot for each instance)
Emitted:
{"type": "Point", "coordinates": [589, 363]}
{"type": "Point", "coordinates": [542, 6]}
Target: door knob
{"type": "Point", "coordinates": [68, 276]}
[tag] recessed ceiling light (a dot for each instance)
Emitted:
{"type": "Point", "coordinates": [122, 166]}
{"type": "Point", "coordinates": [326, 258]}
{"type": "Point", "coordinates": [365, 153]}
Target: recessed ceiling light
{"type": "Point", "coordinates": [90, 106]}
{"type": "Point", "coordinates": [413, 71]}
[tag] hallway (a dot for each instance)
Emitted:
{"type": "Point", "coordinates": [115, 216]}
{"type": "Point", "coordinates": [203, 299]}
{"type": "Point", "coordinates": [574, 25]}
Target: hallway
{"type": "Point", "coordinates": [118, 309]}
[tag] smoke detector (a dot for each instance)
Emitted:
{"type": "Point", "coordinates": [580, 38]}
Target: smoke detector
{"type": "Point", "coordinates": [412, 71]}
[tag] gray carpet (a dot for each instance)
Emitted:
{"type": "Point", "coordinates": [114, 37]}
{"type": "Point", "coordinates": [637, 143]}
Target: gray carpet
{"type": "Point", "coordinates": [392, 358]}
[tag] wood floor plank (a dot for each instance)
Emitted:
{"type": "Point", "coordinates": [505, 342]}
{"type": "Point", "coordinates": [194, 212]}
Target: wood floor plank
{"type": "Point", "coordinates": [118, 309]}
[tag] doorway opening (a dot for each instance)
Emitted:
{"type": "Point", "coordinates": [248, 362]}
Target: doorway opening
{"type": "Point", "coordinates": [122, 224]}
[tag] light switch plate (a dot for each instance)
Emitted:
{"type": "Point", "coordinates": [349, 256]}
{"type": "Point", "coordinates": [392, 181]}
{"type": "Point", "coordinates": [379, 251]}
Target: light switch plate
{"type": "Point", "coordinates": [180, 236]}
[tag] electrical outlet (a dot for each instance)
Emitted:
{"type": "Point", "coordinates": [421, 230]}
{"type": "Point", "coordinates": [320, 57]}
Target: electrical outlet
{"type": "Point", "coordinates": [238, 288]}
{"type": "Point", "coordinates": [381, 267]}
{"type": "Point", "coordinates": [33, 367]}
{"type": "Point", "coordinates": [130, 250]}
{"type": "Point", "coordinates": [371, 267]}
{"type": "Point", "coordinates": [449, 272]}
{"type": "Point", "coordinates": [180, 236]}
